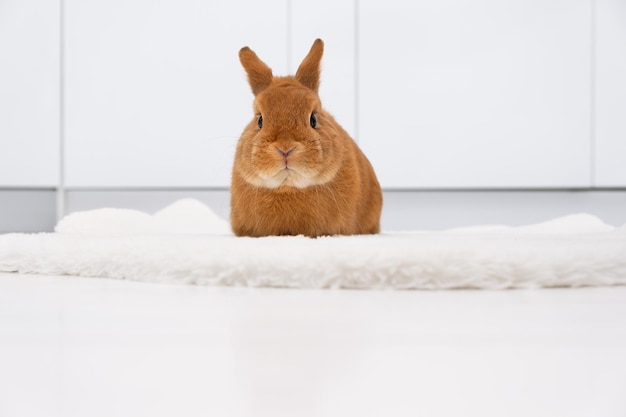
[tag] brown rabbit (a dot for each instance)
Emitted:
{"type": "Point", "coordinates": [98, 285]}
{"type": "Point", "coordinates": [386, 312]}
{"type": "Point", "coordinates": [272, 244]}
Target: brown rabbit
{"type": "Point", "coordinates": [296, 171]}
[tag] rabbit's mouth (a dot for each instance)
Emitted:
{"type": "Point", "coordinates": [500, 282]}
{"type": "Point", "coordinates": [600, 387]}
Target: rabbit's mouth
{"type": "Point", "coordinates": [288, 175]}
{"type": "Point", "coordinates": [291, 175]}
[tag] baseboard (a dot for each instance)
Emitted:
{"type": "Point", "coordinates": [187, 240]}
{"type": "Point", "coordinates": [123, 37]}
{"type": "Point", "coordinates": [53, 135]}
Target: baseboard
{"type": "Point", "coordinates": [404, 210]}
{"type": "Point", "coordinates": [27, 210]}
{"type": "Point", "coordinates": [434, 210]}
{"type": "Point", "coordinates": [33, 210]}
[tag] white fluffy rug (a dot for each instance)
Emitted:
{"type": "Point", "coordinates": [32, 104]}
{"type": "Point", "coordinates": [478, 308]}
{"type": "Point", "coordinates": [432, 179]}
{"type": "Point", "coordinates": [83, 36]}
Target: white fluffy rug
{"type": "Point", "coordinates": [187, 243]}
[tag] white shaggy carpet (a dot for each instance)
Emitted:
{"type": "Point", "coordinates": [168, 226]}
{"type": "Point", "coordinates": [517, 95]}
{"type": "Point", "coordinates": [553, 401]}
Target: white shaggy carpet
{"type": "Point", "coordinates": [187, 243]}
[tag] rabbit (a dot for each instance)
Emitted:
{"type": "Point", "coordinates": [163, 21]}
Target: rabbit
{"type": "Point", "coordinates": [296, 171]}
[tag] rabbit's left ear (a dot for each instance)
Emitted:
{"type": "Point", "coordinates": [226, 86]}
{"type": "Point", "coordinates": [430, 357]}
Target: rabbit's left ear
{"type": "Point", "coordinates": [309, 70]}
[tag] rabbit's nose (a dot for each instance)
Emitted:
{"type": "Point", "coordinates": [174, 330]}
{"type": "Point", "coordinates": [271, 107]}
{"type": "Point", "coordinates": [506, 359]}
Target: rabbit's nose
{"type": "Point", "coordinates": [284, 153]}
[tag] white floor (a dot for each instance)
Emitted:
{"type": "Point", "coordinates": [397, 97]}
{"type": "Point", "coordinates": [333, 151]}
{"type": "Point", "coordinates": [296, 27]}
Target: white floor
{"type": "Point", "coordinates": [92, 347]}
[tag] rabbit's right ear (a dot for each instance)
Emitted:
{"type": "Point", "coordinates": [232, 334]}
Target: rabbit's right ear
{"type": "Point", "coordinates": [259, 74]}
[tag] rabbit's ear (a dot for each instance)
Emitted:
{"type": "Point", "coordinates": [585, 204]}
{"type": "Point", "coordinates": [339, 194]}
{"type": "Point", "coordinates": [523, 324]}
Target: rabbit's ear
{"type": "Point", "coordinates": [259, 74]}
{"type": "Point", "coordinates": [309, 70]}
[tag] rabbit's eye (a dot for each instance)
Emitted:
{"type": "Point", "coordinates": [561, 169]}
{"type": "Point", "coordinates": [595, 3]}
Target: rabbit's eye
{"type": "Point", "coordinates": [259, 121]}
{"type": "Point", "coordinates": [313, 121]}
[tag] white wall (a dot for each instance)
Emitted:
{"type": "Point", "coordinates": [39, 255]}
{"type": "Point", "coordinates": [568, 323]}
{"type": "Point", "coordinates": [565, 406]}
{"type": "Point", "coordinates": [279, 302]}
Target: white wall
{"type": "Point", "coordinates": [476, 94]}
{"type": "Point", "coordinates": [488, 95]}
{"type": "Point", "coordinates": [29, 93]}
{"type": "Point", "coordinates": [610, 99]}
{"type": "Point", "coordinates": [155, 94]}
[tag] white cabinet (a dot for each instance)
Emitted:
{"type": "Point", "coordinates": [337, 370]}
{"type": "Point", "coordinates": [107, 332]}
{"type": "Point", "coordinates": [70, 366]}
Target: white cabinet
{"type": "Point", "coordinates": [155, 93]}
{"type": "Point", "coordinates": [446, 94]}
{"type": "Point", "coordinates": [457, 94]}
{"type": "Point", "coordinates": [610, 103]}
{"type": "Point", "coordinates": [29, 93]}
{"type": "Point", "coordinates": [334, 22]}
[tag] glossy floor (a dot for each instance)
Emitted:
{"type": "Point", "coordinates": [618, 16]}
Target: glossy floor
{"type": "Point", "coordinates": [92, 347]}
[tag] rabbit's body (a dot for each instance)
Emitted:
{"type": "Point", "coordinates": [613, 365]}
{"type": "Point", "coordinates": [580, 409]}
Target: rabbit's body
{"type": "Point", "coordinates": [296, 171]}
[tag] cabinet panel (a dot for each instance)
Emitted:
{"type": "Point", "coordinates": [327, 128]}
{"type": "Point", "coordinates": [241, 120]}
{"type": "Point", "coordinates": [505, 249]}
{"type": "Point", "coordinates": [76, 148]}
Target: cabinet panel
{"type": "Point", "coordinates": [333, 21]}
{"type": "Point", "coordinates": [156, 95]}
{"type": "Point", "coordinates": [476, 94]}
{"type": "Point", "coordinates": [610, 81]}
{"type": "Point", "coordinates": [29, 93]}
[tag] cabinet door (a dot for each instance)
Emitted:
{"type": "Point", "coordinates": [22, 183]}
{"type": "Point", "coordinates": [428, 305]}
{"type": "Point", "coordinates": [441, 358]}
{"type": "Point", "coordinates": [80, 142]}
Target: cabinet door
{"type": "Point", "coordinates": [482, 94]}
{"type": "Point", "coordinates": [610, 81]}
{"type": "Point", "coordinates": [156, 95]}
{"type": "Point", "coordinates": [29, 93]}
{"type": "Point", "coordinates": [332, 21]}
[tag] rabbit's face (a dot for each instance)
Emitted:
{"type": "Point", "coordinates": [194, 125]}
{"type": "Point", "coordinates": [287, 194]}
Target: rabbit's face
{"type": "Point", "coordinates": [289, 142]}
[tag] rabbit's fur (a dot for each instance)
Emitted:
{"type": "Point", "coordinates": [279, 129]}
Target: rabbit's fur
{"type": "Point", "coordinates": [296, 171]}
